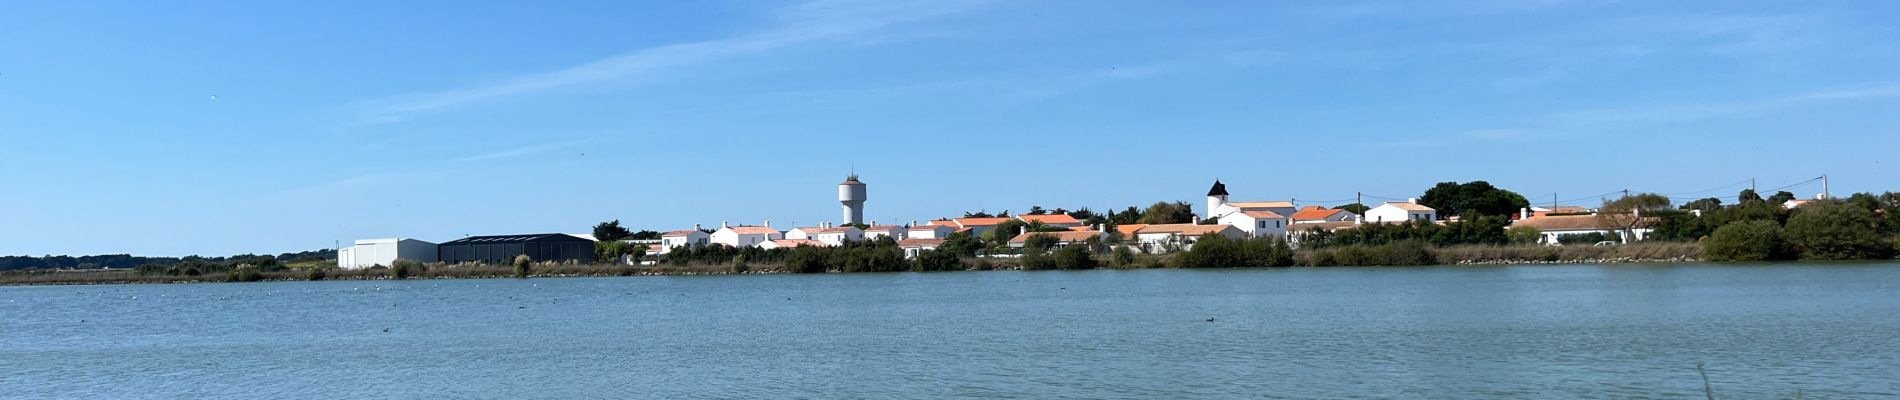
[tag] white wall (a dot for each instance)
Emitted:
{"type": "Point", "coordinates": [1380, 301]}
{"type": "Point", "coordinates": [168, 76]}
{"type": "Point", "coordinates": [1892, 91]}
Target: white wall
{"type": "Point", "coordinates": [384, 252]}
{"type": "Point", "coordinates": [1390, 213]}
{"type": "Point", "coordinates": [1256, 227]}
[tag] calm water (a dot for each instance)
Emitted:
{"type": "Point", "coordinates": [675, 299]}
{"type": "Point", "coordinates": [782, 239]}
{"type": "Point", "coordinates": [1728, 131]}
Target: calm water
{"type": "Point", "coordinates": [1473, 332]}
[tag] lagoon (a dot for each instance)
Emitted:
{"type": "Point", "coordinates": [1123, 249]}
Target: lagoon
{"type": "Point", "coordinates": [1546, 331]}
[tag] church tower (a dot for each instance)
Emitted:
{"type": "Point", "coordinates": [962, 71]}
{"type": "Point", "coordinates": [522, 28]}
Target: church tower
{"type": "Point", "coordinates": [1216, 197]}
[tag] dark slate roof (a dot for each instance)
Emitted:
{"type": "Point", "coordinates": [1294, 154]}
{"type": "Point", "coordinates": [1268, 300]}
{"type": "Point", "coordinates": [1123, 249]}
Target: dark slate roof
{"type": "Point", "coordinates": [1219, 189]}
{"type": "Point", "coordinates": [514, 238]}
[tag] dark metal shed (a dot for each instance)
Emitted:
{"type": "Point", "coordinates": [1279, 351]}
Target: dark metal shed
{"type": "Point", "coordinates": [501, 249]}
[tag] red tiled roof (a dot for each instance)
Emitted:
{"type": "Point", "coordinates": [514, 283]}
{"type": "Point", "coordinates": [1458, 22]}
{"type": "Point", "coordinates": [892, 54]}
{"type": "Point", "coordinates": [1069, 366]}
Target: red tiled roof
{"type": "Point", "coordinates": [1184, 229]}
{"type": "Point", "coordinates": [754, 230]}
{"type": "Point", "coordinates": [969, 222]}
{"type": "Point", "coordinates": [1129, 230]}
{"type": "Point", "coordinates": [798, 242]}
{"type": "Point", "coordinates": [919, 243]}
{"type": "Point", "coordinates": [1407, 206]}
{"type": "Point", "coordinates": [682, 232]}
{"type": "Point", "coordinates": [1263, 214]}
{"type": "Point", "coordinates": [1315, 212]}
{"type": "Point", "coordinates": [931, 227]}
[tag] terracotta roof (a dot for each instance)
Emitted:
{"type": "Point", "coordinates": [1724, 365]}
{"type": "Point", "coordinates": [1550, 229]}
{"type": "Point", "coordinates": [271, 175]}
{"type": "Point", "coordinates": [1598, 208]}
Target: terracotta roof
{"type": "Point", "coordinates": [1330, 226]}
{"type": "Point", "coordinates": [841, 229]}
{"type": "Point", "coordinates": [754, 230]}
{"type": "Point", "coordinates": [1409, 206]}
{"type": "Point", "coordinates": [1184, 229]}
{"type": "Point", "coordinates": [1064, 236]}
{"type": "Point", "coordinates": [682, 232]}
{"type": "Point", "coordinates": [798, 242]}
{"type": "Point", "coordinates": [1315, 212]}
{"type": "Point", "coordinates": [1554, 223]}
{"type": "Point", "coordinates": [1050, 219]}
{"type": "Point", "coordinates": [1263, 214]}
{"type": "Point", "coordinates": [809, 229]}
{"type": "Point", "coordinates": [1262, 204]}
{"type": "Point", "coordinates": [884, 228]}
{"type": "Point", "coordinates": [944, 222]}
{"type": "Point", "coordinates": [1081, 228]}
{"type": "Point", "coordinates": [920, 243]}
{"type": "Point", "coordinates": [1129, 230]}
{"type": "Point", "coordinates": [930, 227]}
{"type": "Point", "coordinates": [969, 222]}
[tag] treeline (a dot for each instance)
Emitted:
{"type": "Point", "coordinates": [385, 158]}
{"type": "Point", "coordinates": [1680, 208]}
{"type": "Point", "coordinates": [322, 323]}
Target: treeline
{"type": "Point", "coordinates": [1861, 227]}
{"type": "Point", "coordinates": [130, 261]}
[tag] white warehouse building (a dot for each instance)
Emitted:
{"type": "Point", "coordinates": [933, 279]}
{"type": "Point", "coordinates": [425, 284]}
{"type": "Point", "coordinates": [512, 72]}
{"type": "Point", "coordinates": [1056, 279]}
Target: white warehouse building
{"type": "Point", "coordinates": [373, 252]}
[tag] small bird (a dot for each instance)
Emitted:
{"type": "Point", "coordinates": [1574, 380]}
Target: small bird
{"type": "Point", "coordinates": [1210, 320]}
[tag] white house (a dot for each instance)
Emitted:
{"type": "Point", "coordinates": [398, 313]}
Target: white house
{"type": "Point", "coordinates": [745, 236]}
{"type": "Point", "coordinates": [1218, 206]}
{"type": "Point", "coordinates": [373, 252]}
{"type": "Point", "coordinates": [1319, 215]}
{"type": "Point", "coordinates": [929, 231]}
{"type": "Point", "coordinates": [914, 246]}
{"type": "Point", "coordinates": [881, 231]}
{"type": "Point", "coordinates": [837, 236]}
{"type": "Point", "coordinates": [790, 243]}
{"type": "Point", "coordinates": [1551, 228]}
{"type": "Point", "coordinates": [1401, 211]}
{"type": "Point", "coordinates": [1257, 224]}
{"type": "Point", "coordinates": [1160, 238]}
{"type": "Point", "coordinates": [691, 238]}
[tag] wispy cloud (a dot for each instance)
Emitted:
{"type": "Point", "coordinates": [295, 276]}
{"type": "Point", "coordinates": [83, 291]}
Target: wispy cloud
{"type": "Point", "coordinates": [806, 23]}
{"type": "Point", "coordinates": [519, 151]}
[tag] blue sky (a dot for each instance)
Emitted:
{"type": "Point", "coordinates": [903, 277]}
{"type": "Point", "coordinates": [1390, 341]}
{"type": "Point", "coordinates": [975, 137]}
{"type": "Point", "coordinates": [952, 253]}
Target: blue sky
{"type": "Point", "coordinates": [165, 128]}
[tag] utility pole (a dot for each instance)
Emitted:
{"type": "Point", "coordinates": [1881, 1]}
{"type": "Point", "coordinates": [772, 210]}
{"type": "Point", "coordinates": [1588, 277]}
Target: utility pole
{"type": "Point", "coordinates": [1553, 201]}
{"type": "Point", "coordinates": [1751, 186]}
{"type": "Point", "coordinates": [1825, 193]}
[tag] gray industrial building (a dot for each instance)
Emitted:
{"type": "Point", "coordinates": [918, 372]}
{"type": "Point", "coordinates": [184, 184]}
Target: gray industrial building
{"type": "Point", "coordinates": [501, 249]}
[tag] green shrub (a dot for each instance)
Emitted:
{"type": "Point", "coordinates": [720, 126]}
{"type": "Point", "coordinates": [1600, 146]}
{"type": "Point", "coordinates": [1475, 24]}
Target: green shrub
{"type": "Point", "coordinates": [316, 274]}
{"type": "Point", "coordinates": [1074, 257]}
{"type": "Point", "coordinates": [524, 266]}
{"type": "Point", "coordinates": [1570, 239]}
{"type": "Point", "coordinates": [936, 260]}
{"type": "Point", "coordinates": [1032, 261]}
{"type": "Point", "coordinates": [739, 265]}
{"type": "Point", "coordinates": [1747, 241]}
{"type": "Point", "coordinates": [403, 269]}
{"type": "Point", "coordinates": [1523, 235]}
{"type": "Point", "coordinates": [244, 273]}
{"type": "Point", "coordinates": [1834, 231]}
{"type": "Point", "coordinates": [1409, 252]}
{"type": "Point", "coordinates": [1121, 256]}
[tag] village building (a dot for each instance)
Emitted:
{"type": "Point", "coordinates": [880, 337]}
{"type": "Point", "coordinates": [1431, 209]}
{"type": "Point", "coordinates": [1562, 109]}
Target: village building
{"type": "Point", "coordinates": [929, 231]}
{"type": "Point", "coordinates": [1257, 224]}
{"type": "Point", "coordinates": [745, 236]}
{"type": "Point", "coordinates": [978, 226]}
{"type": "Point", "coordinates": [1218, 206]}
{"type": "Point", "coordinates": [1319, 214]}
{"type": "Point", "coordinates": [1163, 238]}
{"type": "Point", "coordinates": [502, 249]}
{"type": "Point", "coordinates": [384, 252]}
{"type": "Point", "coordinates": [837, 236]}
{"type": "Point", "coordinates": [875, 232]}
{"type": "Point", "coordinates": [1401, 211]}
{"type": "Point", "coordinates": [689, 238]}
{"type": "Point", "coordinates": [914, 246]}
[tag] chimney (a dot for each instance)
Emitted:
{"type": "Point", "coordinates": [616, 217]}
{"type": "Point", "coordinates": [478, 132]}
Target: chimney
{"type": "Point", "coordinates": [874, 222]}
{"type": "Point", "coordinates": [1411, 200]}
{"type": "Point", "coordinates": [913, 223]}
{"type": "Point", "coordinates": [768, 223]}
{"type": "Point", "coordinates": [1194, 219]}
{"type": "Point", "coordinates": [724, 225]}
{"type": "Point", "coordinates": [696, 227]}
{"type": "Point", "coordinates": [1022, 230]}
{"type": "Point", "coordinates": [1524, 213]}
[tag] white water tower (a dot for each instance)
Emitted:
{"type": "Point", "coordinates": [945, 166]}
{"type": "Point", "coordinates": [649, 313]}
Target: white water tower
{"type": "Point", "coordinates": [851, 194]}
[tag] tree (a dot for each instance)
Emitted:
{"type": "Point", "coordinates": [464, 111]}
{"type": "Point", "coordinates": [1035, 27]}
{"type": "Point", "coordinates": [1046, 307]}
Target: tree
{"type": "Point", "coordinates": [1121, 256]}
{"type": "Point", "coordinates": [1038, 243]}
{"type": "Point", "coordinates": [1168, 213]}
{"type": "Point", "coordinates": [610, 231]}
{"type": "Point", "coordinates": [1706, 205]}
{"type": "Point", "coordinates": [1004, 231]}
{"type": "Point", "coordinates": [1746, 241]}
{"type": "Point", "coordinates": [1780, 197]}
{"type": "Point", "coordinates": [1625, 213]}
{"type": "Point", "coordinates": [936, 260]}
{"type": "Point", "coordinates": [962, 244]}
{"type": "Point", "coordinates": [1748, 196]}
{"type": "Point", "coordinates": [1036, 210]}
{"type": "Point", "coordinates": [1835, 231]}
{"type": "Point", "coordinates": [524, 266]}
{"type": "Point", "coordinates": [1472, 199]}
{"type": "Point", "coordinates": [1523, 235]}
{"type": "Point", "coordinates": [643, 235]}
{"type": "Point", "coordinates": [1354, 208]}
